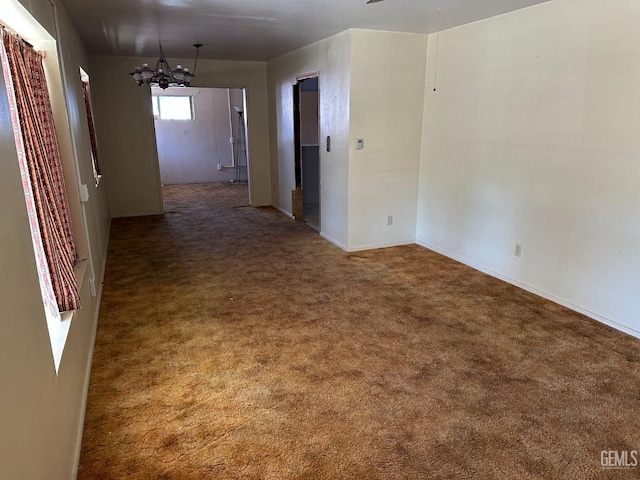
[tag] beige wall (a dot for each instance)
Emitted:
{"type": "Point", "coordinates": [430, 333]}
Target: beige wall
{"type": "Point", "coordinates": [371, 86]}
{"type": "Point", "coordinates": [532, 138]}
{"type": "Point", "coordinates": [127, 130]}
{"type": "Point", "coordinates": [387, 96]}
{"type": "Point", "coordinates": [330, 58]}
{"type": "Point", "coordinates": [41, 413]}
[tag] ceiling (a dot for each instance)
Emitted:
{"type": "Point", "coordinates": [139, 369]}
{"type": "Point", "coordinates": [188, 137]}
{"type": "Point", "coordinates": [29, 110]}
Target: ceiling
{"type": "Point", "coordinates": [257, 29]}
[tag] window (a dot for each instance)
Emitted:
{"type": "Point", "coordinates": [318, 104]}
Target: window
{"type": "Point", "coordinates": [97, 173]}
{"type": "Point", "coordinates": [170, 107]}
{"type": "Point", "coordinates": [39, 156]}
{"type": "Point", "coordinates": [43, 183]}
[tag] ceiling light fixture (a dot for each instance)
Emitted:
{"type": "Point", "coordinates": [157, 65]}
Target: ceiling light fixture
{"type": "Point", "coordinates": [163, 75]}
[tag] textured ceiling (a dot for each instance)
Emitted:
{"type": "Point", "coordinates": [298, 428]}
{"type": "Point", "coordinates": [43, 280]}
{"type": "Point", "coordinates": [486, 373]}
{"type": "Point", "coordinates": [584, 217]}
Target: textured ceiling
{"type": "Point", "coordinates": [257, 29]}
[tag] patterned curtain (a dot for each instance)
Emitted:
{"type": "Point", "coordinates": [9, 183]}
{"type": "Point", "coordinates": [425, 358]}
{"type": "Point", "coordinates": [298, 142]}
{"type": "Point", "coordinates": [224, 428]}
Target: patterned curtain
{"type": "Point", "coordinates": [92, 132]}
{"type": "Point", "coordinates": [38, 146]}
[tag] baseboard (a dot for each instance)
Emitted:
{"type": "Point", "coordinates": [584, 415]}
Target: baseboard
{"type": "Point", "coordinates": [285, 212]}
{"type": "Point", "coordinates": [85, 392]}
{"type": "Point", "coordinates": [529, 288]}
{"type": "Point", "coordinates": [87, 373]}
{"type": "Point", "coordinates": [335, 242]}
{"type": "Point", "coordinates": [374, 246]}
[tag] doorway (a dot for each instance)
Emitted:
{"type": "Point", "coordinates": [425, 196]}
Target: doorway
{"type": "Point", "coordinates": [307, 148]}
{"type": "Point", "coordinates": [201, 135]}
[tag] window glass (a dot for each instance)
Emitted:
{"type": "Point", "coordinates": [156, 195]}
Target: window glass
{"type": "Point", "coordinates": [173, 107]}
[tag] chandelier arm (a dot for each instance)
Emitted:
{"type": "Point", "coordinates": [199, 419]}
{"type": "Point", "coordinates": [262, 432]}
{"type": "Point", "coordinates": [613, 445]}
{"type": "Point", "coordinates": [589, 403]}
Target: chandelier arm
{"type": "Point", "coordinates": [163, 75]}
{"type": "Point", "coordinates": [195, 62]}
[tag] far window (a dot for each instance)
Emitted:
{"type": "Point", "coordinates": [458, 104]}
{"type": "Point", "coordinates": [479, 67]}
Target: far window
{"type": "Point", "coordinates": [167, 107]}
{"type": "Point", "coordinates": [86, 92]}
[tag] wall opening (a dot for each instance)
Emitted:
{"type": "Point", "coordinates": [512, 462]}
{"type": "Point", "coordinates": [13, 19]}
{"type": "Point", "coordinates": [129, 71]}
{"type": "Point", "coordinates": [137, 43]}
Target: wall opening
{"type": "Point", "coordinates": [201, 135]}
{"type": "Point", "coordinates": [307, 138]}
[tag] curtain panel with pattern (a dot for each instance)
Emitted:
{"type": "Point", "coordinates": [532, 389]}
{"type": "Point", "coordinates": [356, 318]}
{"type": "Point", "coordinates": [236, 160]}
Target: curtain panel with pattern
{"type": "Point", "coordinates": [41, 167]}
{"type": "Point", "coordinates": [97, 171]}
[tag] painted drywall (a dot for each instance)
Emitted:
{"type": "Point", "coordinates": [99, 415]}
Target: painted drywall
{"type": "Point", "coordinates": [282, 74]}
{"type": "Point", "coordinates": [41, 413]}
{"type": "Point", "coordinates": [189, 151]}
{"type": "Point", "coordinates": [387, 98]}
{"type": "Point", "coordinates": [532, 138]}
{"type": "Point", "coordinates": [127, 129]}
{"type": "Point", "coordinates": [329, 58]}
{"type": "Point", "coordinates": [371, 86]}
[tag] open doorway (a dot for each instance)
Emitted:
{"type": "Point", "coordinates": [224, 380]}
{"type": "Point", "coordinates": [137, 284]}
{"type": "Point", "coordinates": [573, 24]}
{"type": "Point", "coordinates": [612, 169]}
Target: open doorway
{"type": "Point", "coordinates": [201, 135]}
{"type": "Point", "coordinates": [307, 160]}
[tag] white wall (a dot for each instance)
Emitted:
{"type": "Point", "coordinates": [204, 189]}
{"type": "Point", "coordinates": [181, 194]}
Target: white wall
{"type": "Point", "coordinates": [532, 137]}
{"type": "Point", "coordinates": [371, 86]}
{"type": "Point", "coordinates": [387, 97]}
{"type": "Point", "coordinates": [329, 58]}
{"type": "Point", "coordinates": [189, 151]}
{"type": "Point", "coordinates": [41, 413]}
{"type": "Point", "coordinates": [127, 131]}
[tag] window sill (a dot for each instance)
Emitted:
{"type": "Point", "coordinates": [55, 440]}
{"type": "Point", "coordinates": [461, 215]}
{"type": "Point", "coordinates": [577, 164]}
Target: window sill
{"type": "Point", "coordinates": [59, 326]}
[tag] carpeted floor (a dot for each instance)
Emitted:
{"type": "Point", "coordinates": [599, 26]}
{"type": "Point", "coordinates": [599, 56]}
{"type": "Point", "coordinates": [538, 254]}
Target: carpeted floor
{"type": "Point", "coordinates": [235, 343]}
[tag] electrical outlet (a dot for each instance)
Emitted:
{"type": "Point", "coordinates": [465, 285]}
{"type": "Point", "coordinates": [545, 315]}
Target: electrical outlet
{"type": "Point", "coordinates": [389, 219]}
{"type": "Point", "coordinates": [518, 250]}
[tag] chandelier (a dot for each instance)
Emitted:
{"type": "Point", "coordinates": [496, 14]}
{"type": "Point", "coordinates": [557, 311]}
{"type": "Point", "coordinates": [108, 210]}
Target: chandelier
{"type": "Point", "coordinates": [163, 75]}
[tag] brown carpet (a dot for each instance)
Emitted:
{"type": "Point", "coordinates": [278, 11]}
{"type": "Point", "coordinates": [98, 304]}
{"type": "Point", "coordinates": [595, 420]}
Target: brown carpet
{"type": "Point", "coordinates": [235, 343]}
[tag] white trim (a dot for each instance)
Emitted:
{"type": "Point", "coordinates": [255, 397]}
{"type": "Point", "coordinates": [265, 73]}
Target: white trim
{"type": "Point", "coordinates": [85, 392]}
{"type": "Point", "coordinates": [89, 364]}
{"type": "Point", "coordinates": [375, 246]}
{"type": "Point", "coordinates": [534, 290]}
{"type": "Point", "coordinates": [285, 212]}
{"type": "Point", "coordinates": [335, 242]}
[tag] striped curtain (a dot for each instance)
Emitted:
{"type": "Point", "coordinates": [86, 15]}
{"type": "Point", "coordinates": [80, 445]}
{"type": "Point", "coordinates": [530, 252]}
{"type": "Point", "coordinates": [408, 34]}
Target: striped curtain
{"type": "Point", "coordinates": [44, 187]}
{"type": "Point", "coordinates": [92, 132]}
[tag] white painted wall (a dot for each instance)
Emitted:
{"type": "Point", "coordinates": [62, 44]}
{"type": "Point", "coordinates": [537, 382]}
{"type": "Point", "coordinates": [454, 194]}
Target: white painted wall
{"type": "Point", "coordinates": [189, 151]}
{"type": "Point", "coordinates": [41, 413]}
{"type": "Point", "coordinates": [127, 129]}
{"type": "Point", "coordinates": [371, 85]}
{"type": "Point", "coordinates": [335, 90]}
{"type": "Point", "coordinates": [329, 58]}
{"type": "Point", "coordinates": [387, 97]}
{"type": "Point", "coordinates": [532, 137]}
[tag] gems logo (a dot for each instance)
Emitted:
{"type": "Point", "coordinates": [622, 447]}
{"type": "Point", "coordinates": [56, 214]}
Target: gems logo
{"type": "Point", "coordinates": [624, 459]}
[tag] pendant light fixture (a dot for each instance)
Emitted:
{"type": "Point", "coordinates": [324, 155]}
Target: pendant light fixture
{"type": "Point", "coordinates": [163, 75]}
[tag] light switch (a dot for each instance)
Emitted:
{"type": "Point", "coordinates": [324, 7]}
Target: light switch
{"type": "Point", "coordinates": [84, 193]}
{"type": "Point", "coordinates": [359, 143]}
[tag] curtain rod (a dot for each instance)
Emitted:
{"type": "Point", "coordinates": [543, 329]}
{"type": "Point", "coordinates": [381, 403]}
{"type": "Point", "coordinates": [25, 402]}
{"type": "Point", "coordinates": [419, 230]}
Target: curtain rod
{"type": "Point", "coordinates": [10, 31]}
